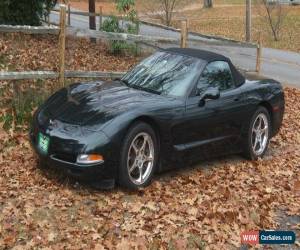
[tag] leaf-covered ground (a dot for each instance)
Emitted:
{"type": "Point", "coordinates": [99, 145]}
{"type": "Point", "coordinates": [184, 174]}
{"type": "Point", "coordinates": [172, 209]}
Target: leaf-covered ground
{"type": "Point", "coordinates": [40, 52]}
{"type": "Point", "coordinates": [208, 205]}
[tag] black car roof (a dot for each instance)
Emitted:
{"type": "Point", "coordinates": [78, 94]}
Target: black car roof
{"type": "Point", "coordinates": [201, 54]}
{"type": "Point", "coordinates": [209, 57]}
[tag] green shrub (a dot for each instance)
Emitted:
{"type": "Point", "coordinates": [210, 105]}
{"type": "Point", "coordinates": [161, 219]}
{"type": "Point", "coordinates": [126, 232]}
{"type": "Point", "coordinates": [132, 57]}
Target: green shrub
{"type": "Point", "coordinates": [24, 12]}
{"type": "Point", "coordinates": [112, 24]}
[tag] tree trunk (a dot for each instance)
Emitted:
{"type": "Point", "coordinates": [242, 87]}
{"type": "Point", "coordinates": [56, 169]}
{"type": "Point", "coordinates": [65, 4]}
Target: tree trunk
{"type": "Point", "coordinates": [168, 18]}
{"type": "Point", "coordinates": [92, 9]}
{"type": "Point", "coordinates": [275, 34]}
{"type": "Point", "coordinates": [208, 4]}
{"type": "Point", "coordinates": [248, 20]}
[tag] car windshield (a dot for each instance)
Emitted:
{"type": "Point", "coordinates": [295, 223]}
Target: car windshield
{"type": "Point", "coordinates": [164, 73]}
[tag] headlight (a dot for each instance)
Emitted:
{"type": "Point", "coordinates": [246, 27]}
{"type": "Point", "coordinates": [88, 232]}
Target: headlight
{"type": "Point", "coordinates": [90, 159]}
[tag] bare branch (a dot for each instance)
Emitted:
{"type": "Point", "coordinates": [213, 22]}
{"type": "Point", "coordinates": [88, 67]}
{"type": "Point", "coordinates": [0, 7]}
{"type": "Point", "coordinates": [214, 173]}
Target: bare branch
{"type": "Point", "coordinates": [274, 13]}
{"type": "Point", "coordinates": [162, 9]}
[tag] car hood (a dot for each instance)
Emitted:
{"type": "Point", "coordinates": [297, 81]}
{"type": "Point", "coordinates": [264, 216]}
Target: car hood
{"type": "Point", "coordinates": [94, 103]}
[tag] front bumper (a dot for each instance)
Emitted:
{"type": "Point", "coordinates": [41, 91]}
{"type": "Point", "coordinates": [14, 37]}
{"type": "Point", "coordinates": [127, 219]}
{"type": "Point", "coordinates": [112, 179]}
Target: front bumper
{"type": "Point", "coordinates": [84, 172]}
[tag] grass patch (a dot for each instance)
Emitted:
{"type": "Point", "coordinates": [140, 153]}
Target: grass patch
{"type": "Point", "coordinates": [19, 100]}
{"type": "Point", "coordinates": [229, 21]}
{"type": "Point", "coordinates": [3, 61]}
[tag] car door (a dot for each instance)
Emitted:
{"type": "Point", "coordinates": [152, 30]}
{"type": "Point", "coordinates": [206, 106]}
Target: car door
{"type": "Point", "coordinates": [212, 122]}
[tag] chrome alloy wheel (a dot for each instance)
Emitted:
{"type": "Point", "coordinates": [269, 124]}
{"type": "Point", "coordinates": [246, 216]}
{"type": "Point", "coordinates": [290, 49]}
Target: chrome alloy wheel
{"type": "Point", "coordinates": [260, 134]}
{"type": "Point", "coordinates": [140, 158]}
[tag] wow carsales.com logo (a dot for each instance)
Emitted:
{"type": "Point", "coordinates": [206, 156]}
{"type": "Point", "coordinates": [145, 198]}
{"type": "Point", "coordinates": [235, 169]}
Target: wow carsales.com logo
{"type": "Point", "coordinates": [268, 237]}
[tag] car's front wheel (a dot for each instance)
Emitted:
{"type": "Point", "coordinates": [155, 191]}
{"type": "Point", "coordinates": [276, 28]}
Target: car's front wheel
{"type": "Point", "coordinates": [257, 140]}
{"type": "Point", "coordinates": [139, 156]}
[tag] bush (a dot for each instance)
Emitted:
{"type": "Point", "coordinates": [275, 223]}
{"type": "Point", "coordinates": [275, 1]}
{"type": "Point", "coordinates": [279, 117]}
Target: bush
{"type": "Point", "coordinates": [131, 26]}
{"type": "Point", "coordinates": [24, 12]}
{"type": "Point", "coordinates": [111, 24]}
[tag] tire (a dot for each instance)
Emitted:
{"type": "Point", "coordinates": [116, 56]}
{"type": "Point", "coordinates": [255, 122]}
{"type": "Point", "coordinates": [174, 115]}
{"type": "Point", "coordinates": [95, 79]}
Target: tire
{"type": "Point", "coordinates": [260, 139]}
{"type": "Point", "coordinates": [138, 163]}
{"type": "Point", "coordinates": [41, 164]}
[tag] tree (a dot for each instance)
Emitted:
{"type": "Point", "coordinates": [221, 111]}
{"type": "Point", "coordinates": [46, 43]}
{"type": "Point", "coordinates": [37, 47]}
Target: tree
{"type": "Point", "coordinates": [92, 9]}
{"type": "Point", "coordinates": [163, 9]}
{"type": "Point", "coordinates": [25, 12]}
{"type": "Point", "coordinates": [274, 13]}
{"type": "Point", "coordinates": [207, 3]}
{"type": "Point", "coordinates": [168, 7]}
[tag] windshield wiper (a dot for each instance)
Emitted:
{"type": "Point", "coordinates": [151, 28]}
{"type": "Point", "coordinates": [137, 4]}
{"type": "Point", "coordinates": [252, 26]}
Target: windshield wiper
{"type": "Point", "coordinates": [125, 82]}
{"type": "Point", "coordinates": [145, 89]}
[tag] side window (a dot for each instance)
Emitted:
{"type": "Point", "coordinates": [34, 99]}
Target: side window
{"type": "Point", "coordinates": [216, 74]}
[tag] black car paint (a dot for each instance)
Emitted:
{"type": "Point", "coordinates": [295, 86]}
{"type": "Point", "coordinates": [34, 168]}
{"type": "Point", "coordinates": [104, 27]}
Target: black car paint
{"type": "Point", "coordinates": [95, 117]}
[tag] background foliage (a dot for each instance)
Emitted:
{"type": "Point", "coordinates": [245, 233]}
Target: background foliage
{"type": "Point", "coordinates": [24, 12]}
{"type": "Point", "coordinates": [129, 24]}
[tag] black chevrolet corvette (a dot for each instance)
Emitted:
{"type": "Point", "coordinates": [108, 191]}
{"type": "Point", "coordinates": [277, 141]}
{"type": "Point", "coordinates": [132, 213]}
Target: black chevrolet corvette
{"type": "Point", "coordinates": [176, 105]}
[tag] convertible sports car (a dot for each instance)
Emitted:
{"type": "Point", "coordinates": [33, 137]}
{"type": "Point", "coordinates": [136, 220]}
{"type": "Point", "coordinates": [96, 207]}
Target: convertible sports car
{"type": "Point", "coordinates": [174, 106]}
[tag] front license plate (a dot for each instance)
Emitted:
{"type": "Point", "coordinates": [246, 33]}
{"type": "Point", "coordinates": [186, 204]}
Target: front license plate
{"type": "Point", "coordinates": [43, 143]}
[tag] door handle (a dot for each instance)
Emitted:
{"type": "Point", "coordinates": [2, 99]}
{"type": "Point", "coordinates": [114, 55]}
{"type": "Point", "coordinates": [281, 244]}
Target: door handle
{"type": "Point", "coordinates": [236, 99]}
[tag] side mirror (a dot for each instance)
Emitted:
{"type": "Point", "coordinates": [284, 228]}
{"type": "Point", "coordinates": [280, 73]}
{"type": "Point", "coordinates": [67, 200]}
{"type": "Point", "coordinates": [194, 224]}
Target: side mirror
{"type": "Point", "coordinates": [211, 93]}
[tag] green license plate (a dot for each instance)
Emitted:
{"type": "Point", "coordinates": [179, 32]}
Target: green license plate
{"type": "Point", "coordinates": [43, 143]}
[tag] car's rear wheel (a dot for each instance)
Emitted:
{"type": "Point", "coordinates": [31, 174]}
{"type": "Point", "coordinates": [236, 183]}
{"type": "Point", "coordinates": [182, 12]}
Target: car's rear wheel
{"type": "Point", "coordinates": [257, 140]}
{"type": "Point", "coordinates": [139, 156]}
